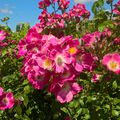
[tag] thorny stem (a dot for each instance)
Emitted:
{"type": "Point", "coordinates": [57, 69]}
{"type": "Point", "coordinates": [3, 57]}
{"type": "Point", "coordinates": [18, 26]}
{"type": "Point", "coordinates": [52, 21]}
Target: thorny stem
{"type": "Point", "coordinates": [111, 6]}
{"type": "Point", "coordinates": [53, 6]}
{"type": "Point", "coordinates": [70, 114]}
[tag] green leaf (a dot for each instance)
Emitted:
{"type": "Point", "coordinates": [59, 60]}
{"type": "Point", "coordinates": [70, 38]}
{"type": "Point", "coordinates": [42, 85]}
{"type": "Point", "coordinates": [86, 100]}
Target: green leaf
{"type": "Point", "coordinates": [25, 101]}
{"type": "Point", "coordinates": [107, 106]}
{"type": "Point", "coordinates": [64, 110]}
{"type": "Point", "coordinates": [105, 24]}
{"type": "Point", "coordinates": [73, 104]}
{"type": "Point", "coordinates": [97, 6]}
{"type": "Point", "coordinates": [114, 85]}
{"type": "Point", "coordinates": [28, 111]}
{"type": "Point", "coordinates": [115, 113]}
{"type": "Point", "coordinates": [94, 10]}
{"type": "Point", "coordinates": [85, 110]}
{"type": "Point", "coordinates": [27, 89]}
{"type": "Point", "coordinates": [101, 27]}
{"type": "Point", "coordinates": [18, 109]}
{"type": "Point", "coordinates": [87, 117]}
{"type": "Point", "coordinates": [4, 52]}
{"type": "Point", "coordinates": [116, 101]}
{"type": "Point", "coordinates": [79, 111]}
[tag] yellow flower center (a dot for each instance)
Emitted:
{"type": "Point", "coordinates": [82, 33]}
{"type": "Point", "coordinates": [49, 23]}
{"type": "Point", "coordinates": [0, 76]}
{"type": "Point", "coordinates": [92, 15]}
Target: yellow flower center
{"type": "Point", "coordinates": [72, 50]}
{"type": "Point", "coordinates": [59, 61]}
{"type": "Point", "coordinates": [66, 74]}
{"type": "Point", "coordinates": [34, 39]}
{"type": "Point", "coordinates": [4, 100]}
{"type": "Point", "coordinates": [40, 78]}
{"type": "Point", "coordinates": [47, 64]}
{"type": "Point", "coordinates": [113, 65]}
{"type": "Point", "coordinates": [66, 87]}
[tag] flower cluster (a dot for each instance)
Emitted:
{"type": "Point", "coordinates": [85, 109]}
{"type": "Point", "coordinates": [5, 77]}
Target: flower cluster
{"type": "Point", "coordinates": [95, 78]}
{"type": "Point", "coordinates": [6, 99]}
{"type": "Point", "coordinates": [91, 39]}
{"type": "Point", "coordinates": [63, 4]}
{"type": "Point", "coordinates": [53, 62]}
{"type": "Point", "coordinates": [43, 4]}
{"type": "Point", "coordinates": [96, 40]}
{"type": "Point", "coordinates": [54, 20]}
{"type": "Point", "coordinates": [3, 35]}
{"type": "Point", "coordinates": [117, 41]}
{"type": "Point", "coordinates": [112, 61]}
{"type": "Point", "coordinates": [79, 10]}
{"type": "Point", "coordinates": [116, 10]}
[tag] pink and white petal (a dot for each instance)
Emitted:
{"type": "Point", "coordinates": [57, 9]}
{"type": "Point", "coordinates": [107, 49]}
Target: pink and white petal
{"type": "Point", "coordinates": [1, 91]}
{"type": "Point", "coordinates": [10, 98]}
{"type": "Point", "coordinates": [64, 96]}
{"type": "Point", "coordinates": [78, 67]}
{"type": "Point", "coordinates": [106, 58]}
{"type": "Point", "coordinates": [59, 69]}
{"type": "Point", "coordinates": [76, 88]}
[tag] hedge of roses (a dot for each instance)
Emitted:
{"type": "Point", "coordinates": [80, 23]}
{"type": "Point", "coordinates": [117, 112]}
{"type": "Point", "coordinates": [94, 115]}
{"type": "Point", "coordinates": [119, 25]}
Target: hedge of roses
{"type": "Point", "coordinates": [65, 67]}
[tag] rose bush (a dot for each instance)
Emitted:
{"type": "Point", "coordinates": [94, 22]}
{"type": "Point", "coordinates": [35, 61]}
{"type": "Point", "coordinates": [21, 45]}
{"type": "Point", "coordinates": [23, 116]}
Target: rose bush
{"type": "Point", "coordinates": [67, 66]}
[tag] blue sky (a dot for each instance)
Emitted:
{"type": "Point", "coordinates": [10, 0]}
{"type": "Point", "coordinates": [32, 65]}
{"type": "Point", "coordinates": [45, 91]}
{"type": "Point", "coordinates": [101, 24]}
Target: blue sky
{"type": "Point", "coordinates": [20, 11]}
{"type": "Point", "coordinates": [26, 11]}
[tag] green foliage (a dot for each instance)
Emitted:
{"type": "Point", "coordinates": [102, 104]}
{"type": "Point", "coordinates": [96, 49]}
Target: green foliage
{"type": "Point", "coordinates": [98, 101]}
{"type": "Point", "coordinates": [97, 6]}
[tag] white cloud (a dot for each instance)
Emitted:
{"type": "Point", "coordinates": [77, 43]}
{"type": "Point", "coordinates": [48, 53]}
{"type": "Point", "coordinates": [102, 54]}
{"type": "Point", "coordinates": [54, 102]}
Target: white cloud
{"type": "Point", "coordinates": [84, 1]}
{"type": "Point", "coordinates": [6, 11]}
{"type": "Point", "coordinates": [81, 1]}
